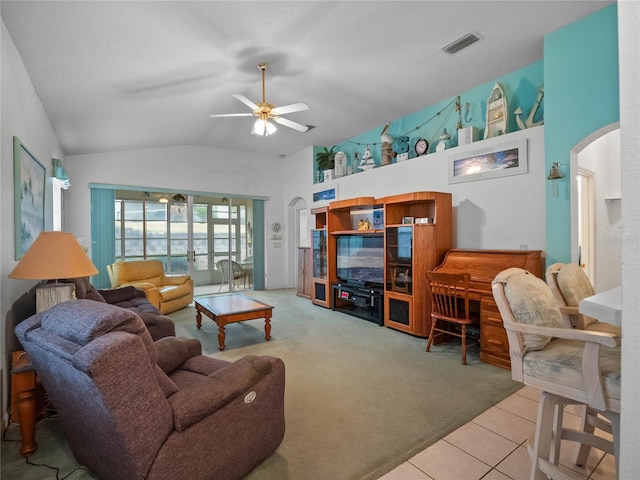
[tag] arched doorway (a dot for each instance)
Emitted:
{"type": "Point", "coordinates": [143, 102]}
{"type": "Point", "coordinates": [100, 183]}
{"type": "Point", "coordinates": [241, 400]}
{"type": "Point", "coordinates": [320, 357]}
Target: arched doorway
{"type": "Point", "coordinates": [298, 236]}
{"type": "Point", "coordinates": [596, 206]}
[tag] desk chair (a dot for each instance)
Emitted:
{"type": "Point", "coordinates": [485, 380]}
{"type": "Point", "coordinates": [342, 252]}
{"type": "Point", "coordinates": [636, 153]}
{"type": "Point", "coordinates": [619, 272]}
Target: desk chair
{"type": "Point", "coordinates": [449, 304]}
{"type": "Point", "coordinates": [570, 366]}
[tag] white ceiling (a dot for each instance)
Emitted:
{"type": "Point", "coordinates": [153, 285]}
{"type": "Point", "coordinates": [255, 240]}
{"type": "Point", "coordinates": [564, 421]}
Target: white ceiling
{"type": "Point", "coordinates": [118, 75]}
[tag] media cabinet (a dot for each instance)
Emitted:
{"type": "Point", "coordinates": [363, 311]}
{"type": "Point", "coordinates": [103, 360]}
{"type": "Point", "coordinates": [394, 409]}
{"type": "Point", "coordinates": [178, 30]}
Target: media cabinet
{"type": "Point", "coordinates": [365, 302]}
{"type": "Point", "coordinates": [417, 229]}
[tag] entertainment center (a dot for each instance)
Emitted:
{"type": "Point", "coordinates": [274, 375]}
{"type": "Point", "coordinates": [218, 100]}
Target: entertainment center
{"type": "Point", "coordinates": [380, 272]}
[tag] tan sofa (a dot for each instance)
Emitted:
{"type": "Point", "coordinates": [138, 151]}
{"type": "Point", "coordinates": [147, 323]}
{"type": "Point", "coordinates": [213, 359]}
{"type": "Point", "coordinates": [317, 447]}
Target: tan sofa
{"type": "Point", "coordinates": [167, 292]}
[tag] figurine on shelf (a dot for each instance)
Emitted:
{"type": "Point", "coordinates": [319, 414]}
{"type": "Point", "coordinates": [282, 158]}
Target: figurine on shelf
{"type": "Point", "coordinates": [529, 122]}
{"type": "Point", "coordinates": [496, 113]}
{"type": "Point", "coordinates": [367, 162]}
{"type": "Point", "coordinates": [365, 224]}
{"type": "Point", "coordinates": [445, 141]}
{"type": "Point", "coordinates": [387, 140]}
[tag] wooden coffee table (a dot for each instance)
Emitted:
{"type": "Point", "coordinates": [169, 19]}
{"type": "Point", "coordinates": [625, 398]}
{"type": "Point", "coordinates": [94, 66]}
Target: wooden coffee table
{"type": "Point", "coordinates": [225, 309]}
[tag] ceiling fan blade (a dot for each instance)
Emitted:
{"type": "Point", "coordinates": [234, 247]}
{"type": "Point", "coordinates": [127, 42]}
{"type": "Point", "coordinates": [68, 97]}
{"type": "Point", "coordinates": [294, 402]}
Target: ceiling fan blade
{"type": "Point", "coordinates": [246, 101]}
{"type": "Point", "coordinates": [294, 107]}
{"type": "Point", "coordinates": [288, 123]}
{"type": "Point", "coordinates": [220, 115]}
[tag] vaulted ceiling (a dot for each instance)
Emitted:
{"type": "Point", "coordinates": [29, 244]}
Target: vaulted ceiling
{"type": "Point", "coordinates": [116, 75]}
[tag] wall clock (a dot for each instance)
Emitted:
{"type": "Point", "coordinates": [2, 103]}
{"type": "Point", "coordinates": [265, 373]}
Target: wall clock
{"type": "Point", "coordinates": [421, 146]}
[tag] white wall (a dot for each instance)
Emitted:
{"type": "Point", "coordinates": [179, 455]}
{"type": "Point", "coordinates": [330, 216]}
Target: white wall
{"type": "Point", "coordinates": [23, 116]}
{"type": "Point", "coordinates": [498, 213]}
{"type": "Point", "coordinates": [629, 48]}
{"type": "Point", "coordinates": [187, 169]}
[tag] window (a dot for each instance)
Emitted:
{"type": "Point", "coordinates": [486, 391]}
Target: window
{"type": "Point", "coordinates": [57, 186]}
{"type": "Point", "coordinates": [229, 241]}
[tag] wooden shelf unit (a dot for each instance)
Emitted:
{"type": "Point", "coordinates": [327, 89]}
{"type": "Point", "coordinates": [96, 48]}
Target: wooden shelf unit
{"type": "Point", "coordinates": [406, 307]}
{"type": "Point", "coordinates": [320, 253]}
{"type": "Point", "coordinates": [305, 271]}
{"type": "Point", "coordinates": [341, 218]}
{"type": "Point", "coordinates": [412, 249]}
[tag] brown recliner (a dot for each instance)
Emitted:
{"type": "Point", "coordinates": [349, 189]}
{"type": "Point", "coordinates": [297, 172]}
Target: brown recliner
{"type": "Point", "coordinates": [131, 298]}
{"type": "Point", "coordinates": [135, 409]}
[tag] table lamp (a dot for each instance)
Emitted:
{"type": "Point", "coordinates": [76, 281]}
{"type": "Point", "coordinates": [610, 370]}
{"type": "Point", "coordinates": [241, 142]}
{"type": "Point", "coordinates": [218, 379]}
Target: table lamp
{"type": "Point", "coordinates": [52, 256]}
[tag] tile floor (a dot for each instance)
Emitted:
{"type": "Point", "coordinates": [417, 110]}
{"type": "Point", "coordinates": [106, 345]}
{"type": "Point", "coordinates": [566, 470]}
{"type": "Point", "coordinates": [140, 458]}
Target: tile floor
{"type": "Point", "coordinates": [493, 446]}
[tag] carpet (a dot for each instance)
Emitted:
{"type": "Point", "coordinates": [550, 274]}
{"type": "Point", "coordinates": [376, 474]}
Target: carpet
{"type": "Point", "coordinates": [360, 399]}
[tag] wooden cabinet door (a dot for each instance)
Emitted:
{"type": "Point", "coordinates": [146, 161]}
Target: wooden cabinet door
{"type": "Point", "coordinates": [304, 272]}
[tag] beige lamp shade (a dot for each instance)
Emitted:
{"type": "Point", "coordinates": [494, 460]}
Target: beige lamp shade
{"type": "Point", "coordinates": [52, 256]}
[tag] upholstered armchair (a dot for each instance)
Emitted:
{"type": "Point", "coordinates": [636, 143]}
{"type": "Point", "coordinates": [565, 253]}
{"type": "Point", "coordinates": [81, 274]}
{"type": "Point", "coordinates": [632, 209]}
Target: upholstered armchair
{"type": "Point", "coordinates": [134, 409]}
{"type": "Point", "coordinates": [570, 366]}
{"type": "Point", "coordinates": [570, 284]}
{"type": "Point", "coordinates": [167, 292]}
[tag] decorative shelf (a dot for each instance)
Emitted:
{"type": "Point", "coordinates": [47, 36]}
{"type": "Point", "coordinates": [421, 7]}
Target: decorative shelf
{"type": "Point", "coordinates": [357, 232]}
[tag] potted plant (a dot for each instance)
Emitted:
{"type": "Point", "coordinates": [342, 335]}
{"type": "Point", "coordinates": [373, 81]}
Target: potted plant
{"type": "Point", "coordinates": [326, 161]}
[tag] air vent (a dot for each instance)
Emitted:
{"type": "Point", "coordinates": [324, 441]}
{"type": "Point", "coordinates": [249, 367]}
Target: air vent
{"type": "Point", "coordinates": [462, 42]}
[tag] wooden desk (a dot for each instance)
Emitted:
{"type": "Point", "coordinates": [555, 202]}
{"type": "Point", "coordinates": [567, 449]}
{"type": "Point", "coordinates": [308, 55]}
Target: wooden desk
{"type": "Point", "coordinates": [483, 266]}
{"type": "Point", "coordinates": [27, 400]}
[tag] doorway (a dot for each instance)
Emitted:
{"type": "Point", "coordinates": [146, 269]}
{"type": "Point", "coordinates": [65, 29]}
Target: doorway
{"type": "Point", "coordinates": [596, 207]}
{"type": "Point", "coordinates": [586, 221]}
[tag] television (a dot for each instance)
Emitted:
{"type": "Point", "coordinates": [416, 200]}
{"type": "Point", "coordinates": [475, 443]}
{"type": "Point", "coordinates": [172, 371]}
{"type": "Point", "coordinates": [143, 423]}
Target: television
{"type": "Point", "coordinates": [360, 259]}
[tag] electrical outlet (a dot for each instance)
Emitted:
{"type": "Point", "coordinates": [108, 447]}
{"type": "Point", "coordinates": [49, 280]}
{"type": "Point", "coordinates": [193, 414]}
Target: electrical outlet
{"type": "Point", "coordinates": [524, 247]}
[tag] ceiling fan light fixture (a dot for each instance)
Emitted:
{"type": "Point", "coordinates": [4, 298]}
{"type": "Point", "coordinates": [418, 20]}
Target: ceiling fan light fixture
{"type": "Point", "coordinates": [263, 128]}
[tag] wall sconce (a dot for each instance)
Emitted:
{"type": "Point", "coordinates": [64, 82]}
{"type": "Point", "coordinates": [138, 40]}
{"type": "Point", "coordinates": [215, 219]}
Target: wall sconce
{"type": "Point", "coordinates": [555, 174]}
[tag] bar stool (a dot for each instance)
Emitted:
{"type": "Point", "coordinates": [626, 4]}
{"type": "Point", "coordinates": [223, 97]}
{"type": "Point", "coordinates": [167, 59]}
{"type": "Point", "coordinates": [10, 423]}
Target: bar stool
{"type": "Point", "coordinates": [570, 366]}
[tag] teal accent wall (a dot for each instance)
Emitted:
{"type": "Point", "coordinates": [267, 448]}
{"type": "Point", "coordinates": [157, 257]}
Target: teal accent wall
{"type": "Point", "coordinates": [521, 89]}
{"type": "Point", "coordinates": [258, 245]}
{"type": "Point", "coordinates": [103, 221]}
{"type": "Point", "coordinates": [582, 95]}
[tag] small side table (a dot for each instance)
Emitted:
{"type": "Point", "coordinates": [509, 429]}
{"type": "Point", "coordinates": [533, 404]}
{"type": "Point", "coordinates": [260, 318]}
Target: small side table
{"type": "Point", "coordinates": [27, 400]}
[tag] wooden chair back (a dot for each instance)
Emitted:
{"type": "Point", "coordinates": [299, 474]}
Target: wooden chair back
{"type": "Point", "coordinates": [450, 296]}
{"type": "Point", "coordinates": [450, 304]}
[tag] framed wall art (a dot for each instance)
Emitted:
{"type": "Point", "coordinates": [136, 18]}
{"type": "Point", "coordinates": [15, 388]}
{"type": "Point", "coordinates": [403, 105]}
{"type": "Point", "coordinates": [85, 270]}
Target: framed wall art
{"type": "Point", "coordinates": [322, 197]}
{"type": "Point", "coordinates": [503, 160]}
{"type": "Point", "coordinates": [28, 192]}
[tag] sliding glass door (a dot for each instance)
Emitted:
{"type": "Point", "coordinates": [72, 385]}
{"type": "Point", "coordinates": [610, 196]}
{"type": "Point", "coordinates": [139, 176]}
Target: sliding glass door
{"type": "Point", "coordinates": [189, 234]}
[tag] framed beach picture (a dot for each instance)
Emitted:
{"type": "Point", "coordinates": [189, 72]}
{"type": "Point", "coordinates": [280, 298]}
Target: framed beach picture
{"type": "Point", "coordinates": [323, 197]}
{"type": "Point", "coordinates": [500, 161]}
{"type": "Point", "coordinates": [29, 185]}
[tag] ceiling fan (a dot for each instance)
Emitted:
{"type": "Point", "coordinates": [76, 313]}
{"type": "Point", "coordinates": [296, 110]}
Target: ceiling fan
{"type": "Point", "coordinates": [266, 112]}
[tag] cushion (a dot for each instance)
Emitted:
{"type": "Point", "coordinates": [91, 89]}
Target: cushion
{"type": "Point", "coordinates": [575, 285]}
{"type": "Point", "coordinates": [81, 321]}
{"type": "Point", "coordinates": [532, 302]}
{"type": "Point", "coordinates": [121, 294]}
{"type": "Point", "coordinates": [561, 362]}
